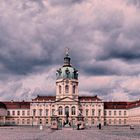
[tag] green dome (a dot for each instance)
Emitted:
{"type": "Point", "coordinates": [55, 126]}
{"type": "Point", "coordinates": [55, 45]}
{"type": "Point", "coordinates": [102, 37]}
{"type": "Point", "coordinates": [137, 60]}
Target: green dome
{"type": "Point", "coordinates": [67, 72]}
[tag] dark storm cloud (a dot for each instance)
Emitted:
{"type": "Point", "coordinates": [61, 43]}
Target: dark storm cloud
{"type": "Point", "coordinates": [64, 2]}
{"type": "Point", "coordinates": [103, 40]}
{"type": "Point", "coordinates": [52, 34]}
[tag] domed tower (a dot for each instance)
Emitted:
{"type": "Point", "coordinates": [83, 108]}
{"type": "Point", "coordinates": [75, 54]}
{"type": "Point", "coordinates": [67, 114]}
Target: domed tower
{"type": "Point", "coordinates": [67, 80]}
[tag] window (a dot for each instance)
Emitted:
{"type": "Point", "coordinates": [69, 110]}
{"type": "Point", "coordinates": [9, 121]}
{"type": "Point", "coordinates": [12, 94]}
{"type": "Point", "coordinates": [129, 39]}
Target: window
{"type": "Point", "coordinates": [66, 110]}
{"type": "Point", "coordinates": [47, 111]}
{"type": "Point", "coordinates": [13, 113]}
{"type": "Point", "coordinates": [23, 113]}
{"type": "Point", "coordinates": [60, 89]}
{"type": "Point", "coordinates": [115, 113]}
{"type": "Point", "coordinates": [86, 112]}
{"type": "Point", "coordinates": [40, 121]}
{"type": "Point", "coordinates": [8, 113]}
{"type": "Point", "coordinates": [23, 121]}
{"type": "Point", "coordinates": [18, 113]}
{"type": "Point", "coordinates": [28, 113]}
{"type": "Point", "coordinates": [73, 110]}
{"type": "Point", "coordinates": [99, 112]}
{"type": "Point", "coordinates": [109, 121]}
{"type": "Point", "coordinates": [17, 121]}
{"type": "Point", "coordinates": [124, 113]}
{"type": "Point", "coordinates": [119, 121]}
{"type": "Point", "coordinates": [74, 87]}
{"type": "Point", "coordinates": [109, 113]}
{"type": "Point", "coordinates": [53, 111]}
{"type": "Point", "coordinates": [119, 113]}
{"type": "Point", "coordinates": [92, 121]}
{"type": "Point", "coordinates": [67, 89]}
{"type": "Point", "coordinates": [46, 121]}
{"type": "Point", "coordinates": [40, 112]}
{"type": "Point", "coordinates": [60, 110]}
{"type": "Point", "coordinates": [114, 121]}
{"type": "Point", "coordinates": [34, 112]}
{"type": "Point", "coordinates": [93, 111]}
{"type": "Point", "coordinates": [28, 121]}
{"type": "Point", "coordinates": [124, 121]}
{"type": "Point", "coordinates": [105, 112]}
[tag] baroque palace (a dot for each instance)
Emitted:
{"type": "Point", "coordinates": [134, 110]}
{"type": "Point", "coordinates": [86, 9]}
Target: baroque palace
{"type": "Point", "coordinates": [69, 102]}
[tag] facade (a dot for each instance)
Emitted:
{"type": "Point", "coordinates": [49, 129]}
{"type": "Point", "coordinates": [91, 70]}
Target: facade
{"type": "Point", "coordinates": [68, 102]}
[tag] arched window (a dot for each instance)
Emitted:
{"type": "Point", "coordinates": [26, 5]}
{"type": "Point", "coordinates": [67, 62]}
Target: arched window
{"type": "Point", "coordinates": [60, 110]}
{"type": "Point", "coordinates": [67, 110]}
{"type": "Point", "coordinates": [60, 89]}
{"type": "Point", "coordinates": [73, 110]}
{"type": "Point", "coordinates": [67, 89]}
{"type": "Point", "coordinates": [74, 87]}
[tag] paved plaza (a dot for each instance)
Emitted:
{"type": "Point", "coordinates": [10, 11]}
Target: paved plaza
{"type": "Point", "coordinates": [107, 133]}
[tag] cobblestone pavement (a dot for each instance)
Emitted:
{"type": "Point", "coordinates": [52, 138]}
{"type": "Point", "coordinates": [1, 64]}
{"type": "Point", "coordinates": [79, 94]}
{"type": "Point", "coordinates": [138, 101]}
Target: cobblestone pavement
{"type": "Point", "coordinates": [107, 133]}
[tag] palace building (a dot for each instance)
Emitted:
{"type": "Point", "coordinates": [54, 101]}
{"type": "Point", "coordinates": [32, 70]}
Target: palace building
{"type": "Point", "coordinates": [69, 102]}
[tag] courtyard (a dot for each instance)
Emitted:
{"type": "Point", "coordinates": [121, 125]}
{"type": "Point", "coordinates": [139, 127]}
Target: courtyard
{"type": "Point", "coordinates": [34, 133]}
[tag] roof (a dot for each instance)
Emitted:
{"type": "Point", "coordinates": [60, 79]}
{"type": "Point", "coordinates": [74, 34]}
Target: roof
{"type": "Point", "coordinates": [134, 104]}
{"type": "Point", "coordinates": [89, 98]}
{"type": "Point", "coordinates": [2, 105]}
{"type": "Point", "coordinates": [116, 105]}
{"type": "Point", "coordinates": [44, 98]}
{"type": "Point", "coordinates": [17, 105]}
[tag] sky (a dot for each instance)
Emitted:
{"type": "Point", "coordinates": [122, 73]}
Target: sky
{"type": "Point", "coordinates": [103, 37]}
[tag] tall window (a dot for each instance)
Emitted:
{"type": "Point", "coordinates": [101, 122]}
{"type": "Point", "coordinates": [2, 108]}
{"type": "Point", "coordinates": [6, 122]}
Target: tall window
{"type": "Point", "coordinates": [40, 121]}
{"type": "Point", "coordinates": [60, 89]}
{"type": "Point", "coordinates": [86, 112]}
{"type": "Point", "coordinates": [67, 89]}
{"type": "Point", "coordinates": [13, 113]}
{"type": "Point", "coordinates": [40, 112]}
{"type": "Point", "coordinates": [66, 110]}
{"type": "Point", "coordinates": [28, 121]}
{"type": "Point", "coordinates": [28, 112]}
{"type": "Point", "coordinates": [8, 113]}
{"type": "Point", "coordinates": [99, 112]}
{"type": "Point", "coordinates": [73, 110]}
{"type": "Point", "coordinates": [124, 113]}
{"type": "Point", "coordinates": [115, 113]}
{"type": "Point", "coordinates": [34, 112]}
{"type": "Point", "coordinates": [109, 121]}
{"type": "Point", "coordinates": [119, 113]}
{"type": "Point", "coordinates": [23, 113]}
{"type": "Point", "coordinates": [114, 121]}
{"type": "Point", "coordinates": [23, 121]}
{"type": "Point", "coordinates": [18, 113]}
{"type": "Point", "coordinates": [92, 121]}
{"type": "Point", "coordinates": [60, 110]}
{"type": "Point", "coordinates": [124, 121]}
{"type": "Point", "coordinates": [74, 88]}
{"type": "Point", "coordinates": [119, 121]}
{"type": "Point", "coordinates": [47, 112]}
{"type": "Point", "coordinates": [46, 121]}
{"type": "Point", "coordinates": [93, 111]}
{"type": "Point", "coordinates": [53, 111]}
{"type": "Point", "coordinates": [109, 113]}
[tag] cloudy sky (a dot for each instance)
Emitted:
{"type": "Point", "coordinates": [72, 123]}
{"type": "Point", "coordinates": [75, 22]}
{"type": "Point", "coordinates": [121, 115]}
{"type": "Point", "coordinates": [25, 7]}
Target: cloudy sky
{"type": "Point", "coordinates": [103, 37]}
